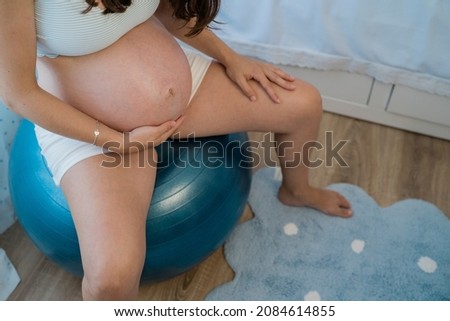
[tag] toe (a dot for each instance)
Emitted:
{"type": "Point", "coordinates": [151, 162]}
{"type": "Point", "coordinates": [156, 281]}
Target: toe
{"type": "Point", "coordinates": [344, 212]}
{"type": "Point", "coordinates": [344, 208]}
{"type": "Point", "coordinates": [344, 203]}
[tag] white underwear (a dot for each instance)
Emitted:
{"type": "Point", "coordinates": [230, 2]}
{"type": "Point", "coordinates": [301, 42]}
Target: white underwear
{"type": "Point", "coordinates": [61, 153]}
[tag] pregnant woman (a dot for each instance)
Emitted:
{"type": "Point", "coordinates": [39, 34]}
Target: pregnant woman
{"type": "Point", "coordinates": [110, 73]}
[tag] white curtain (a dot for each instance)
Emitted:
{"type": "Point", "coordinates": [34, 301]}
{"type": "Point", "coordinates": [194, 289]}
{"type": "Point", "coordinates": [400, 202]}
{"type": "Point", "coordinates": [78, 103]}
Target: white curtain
{"type": "Point", "coordinates": [9, 123]}
{"type": "Point", "coordinates": [8, 127]}
{"type": "Point", "coordinates": [404, 42]}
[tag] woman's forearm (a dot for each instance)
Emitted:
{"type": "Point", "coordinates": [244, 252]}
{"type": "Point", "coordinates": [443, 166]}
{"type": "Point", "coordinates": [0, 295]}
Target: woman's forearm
{"type": "Point", "coordinates": [56, 116]}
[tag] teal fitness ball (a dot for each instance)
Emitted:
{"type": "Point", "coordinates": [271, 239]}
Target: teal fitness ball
{"type": "Point", "coordinates": [201, 191]}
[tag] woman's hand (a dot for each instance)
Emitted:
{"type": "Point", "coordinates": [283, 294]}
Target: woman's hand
{"type": "Point", "coordinates": [145, 137]}
{"type": "Point", "coordinates": [241, 70]}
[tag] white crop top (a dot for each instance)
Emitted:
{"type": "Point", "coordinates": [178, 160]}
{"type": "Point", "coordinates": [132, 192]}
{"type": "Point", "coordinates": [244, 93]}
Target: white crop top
{"type": "Point", "coordinates": [62, 28]}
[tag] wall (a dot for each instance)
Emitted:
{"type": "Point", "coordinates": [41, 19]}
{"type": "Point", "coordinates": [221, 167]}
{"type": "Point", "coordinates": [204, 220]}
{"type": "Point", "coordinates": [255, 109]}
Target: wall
{"type": "Point", "coordinates": [8, 127]}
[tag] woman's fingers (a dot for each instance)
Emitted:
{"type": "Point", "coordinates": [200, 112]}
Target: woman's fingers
{"type": "Point", "coordinates": [150, 136]}
{"type": "Point", "coordinates": [266, 84]}
{"type": "Point", "coordinates": [267, 77]}
{"type": "Point", "coordinates": [246, 88]}
{"type": "Point", "coordinates": [169, 132]}
{"type": "Point", "coordinates": [271, 76]}
{"type": "Point", "coordinates": [282, 79]}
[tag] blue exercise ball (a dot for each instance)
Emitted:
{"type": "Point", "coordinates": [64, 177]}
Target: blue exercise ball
{"type": "Point", "coordinates": [201, 190]}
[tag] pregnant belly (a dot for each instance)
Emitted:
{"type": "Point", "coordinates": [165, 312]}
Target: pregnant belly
{"type": "Point", "coordinates": [142, 79]}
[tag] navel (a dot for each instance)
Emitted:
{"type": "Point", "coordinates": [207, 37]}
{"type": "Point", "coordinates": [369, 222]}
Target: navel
{"type": "Point", "coordinates": [171, 93]}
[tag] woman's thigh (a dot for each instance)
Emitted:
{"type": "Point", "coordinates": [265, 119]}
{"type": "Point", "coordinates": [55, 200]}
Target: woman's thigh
{"type": "Point", "coordinates": [109, 204]}
{"type": "Point", "coordinates": [220, 107]}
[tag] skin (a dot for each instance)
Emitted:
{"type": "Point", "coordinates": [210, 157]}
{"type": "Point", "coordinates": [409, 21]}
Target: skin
{"type": "Point", "coordinates": [109, 205]}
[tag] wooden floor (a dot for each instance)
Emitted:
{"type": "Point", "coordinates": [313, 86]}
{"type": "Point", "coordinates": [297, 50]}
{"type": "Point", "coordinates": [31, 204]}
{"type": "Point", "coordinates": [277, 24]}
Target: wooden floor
{"type": "Point", "coordinates": [389, 164]}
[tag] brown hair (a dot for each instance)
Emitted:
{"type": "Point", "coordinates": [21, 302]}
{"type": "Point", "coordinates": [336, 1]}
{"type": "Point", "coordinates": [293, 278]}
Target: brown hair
{"type": "Point", "coordinates": [203, 11]}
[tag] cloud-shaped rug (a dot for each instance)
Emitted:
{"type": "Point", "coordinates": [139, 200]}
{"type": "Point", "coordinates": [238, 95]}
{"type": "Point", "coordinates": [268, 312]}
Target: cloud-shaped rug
{"type": "Point", "coordinates": [401, 252]}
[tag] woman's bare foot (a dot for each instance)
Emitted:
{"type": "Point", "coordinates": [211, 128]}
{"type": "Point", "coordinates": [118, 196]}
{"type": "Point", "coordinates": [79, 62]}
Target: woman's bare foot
{"type": "Point", "coordinates": [326, 201]}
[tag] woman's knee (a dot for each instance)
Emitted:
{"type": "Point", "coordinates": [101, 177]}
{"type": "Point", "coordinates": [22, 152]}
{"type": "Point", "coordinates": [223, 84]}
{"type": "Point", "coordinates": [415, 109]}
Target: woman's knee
{"type": "Point", "coordinates": [311, 97]}
{"type": "Point", "coordinates": [115, 280]}
{"type": "Point", "coordinates": [306, 102]}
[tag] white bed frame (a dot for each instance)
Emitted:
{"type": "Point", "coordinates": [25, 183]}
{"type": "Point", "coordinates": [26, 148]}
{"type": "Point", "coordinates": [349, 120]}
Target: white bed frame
{"type": "Point", "coordinates": [365, 98]}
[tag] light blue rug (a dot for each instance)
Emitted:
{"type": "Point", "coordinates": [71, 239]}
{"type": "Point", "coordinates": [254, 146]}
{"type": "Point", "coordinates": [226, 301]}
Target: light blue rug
{"type": "Point", "coordinates": [401, 252]}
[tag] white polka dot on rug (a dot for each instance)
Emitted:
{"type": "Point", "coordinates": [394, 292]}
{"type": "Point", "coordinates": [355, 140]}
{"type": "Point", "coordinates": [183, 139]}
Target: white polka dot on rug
{"type": "Point", "coordinates": [313, 296]}
{"type": "Point", "coordinates": [290, 229]}
{"type": "Point", "coordinates": [427, 264]}
{"type": "Point", "coordinates": [358, 246]}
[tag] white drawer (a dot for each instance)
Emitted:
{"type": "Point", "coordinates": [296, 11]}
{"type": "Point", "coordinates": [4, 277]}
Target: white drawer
{"type": "Point", "coordinates": [421, 105]}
